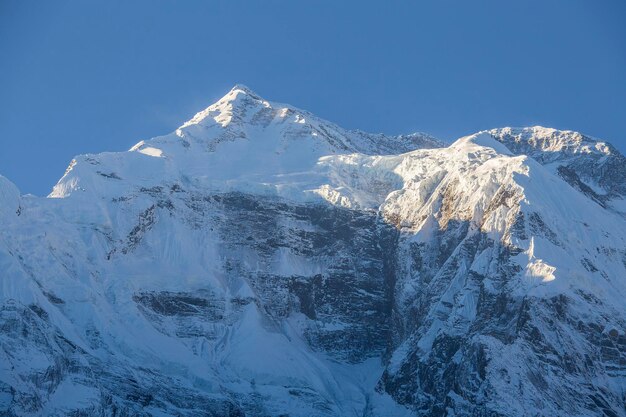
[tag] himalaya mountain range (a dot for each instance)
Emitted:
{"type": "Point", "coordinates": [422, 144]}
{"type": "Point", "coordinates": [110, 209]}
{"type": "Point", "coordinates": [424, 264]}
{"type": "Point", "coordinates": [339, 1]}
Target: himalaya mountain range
{"type": "Point", "coordinates": [261, 261]}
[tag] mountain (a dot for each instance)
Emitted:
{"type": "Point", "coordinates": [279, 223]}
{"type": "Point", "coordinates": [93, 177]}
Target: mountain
{"type": "Point", "coordinates": [260, 261]}
{"type": "Point", "coordinates": [589, 165]}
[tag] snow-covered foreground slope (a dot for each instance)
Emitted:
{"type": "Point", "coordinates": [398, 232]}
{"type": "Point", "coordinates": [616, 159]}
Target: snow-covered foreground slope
{"type": "Point", "coordinates": [261, 261]}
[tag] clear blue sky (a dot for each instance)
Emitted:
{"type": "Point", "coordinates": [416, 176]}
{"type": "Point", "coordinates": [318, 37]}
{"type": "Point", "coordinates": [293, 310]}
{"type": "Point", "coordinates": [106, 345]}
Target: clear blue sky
{"type": "Point", "coordinates": [91, 76]}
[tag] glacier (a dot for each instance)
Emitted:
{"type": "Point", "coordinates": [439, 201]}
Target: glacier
{"type": "Point", "coordinates": [261, 261]}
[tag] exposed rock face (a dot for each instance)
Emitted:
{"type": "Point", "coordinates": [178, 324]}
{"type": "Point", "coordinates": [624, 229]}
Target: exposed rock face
{"type": "Point", "coordinates": [260, 261]}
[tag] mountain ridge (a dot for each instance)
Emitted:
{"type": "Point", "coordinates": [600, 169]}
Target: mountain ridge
{"type": "Point", "coordinates": [261, 261]}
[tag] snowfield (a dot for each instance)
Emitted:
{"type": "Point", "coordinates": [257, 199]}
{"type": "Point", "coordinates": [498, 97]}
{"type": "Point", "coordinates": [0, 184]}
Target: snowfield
{"type": "Point", "coordinates": [261, 261]}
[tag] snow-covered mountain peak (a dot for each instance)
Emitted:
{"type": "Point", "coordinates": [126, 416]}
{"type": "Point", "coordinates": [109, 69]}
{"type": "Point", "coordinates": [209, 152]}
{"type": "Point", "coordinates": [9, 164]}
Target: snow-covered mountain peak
{"type": "Point", "coordinates": [243, 89]}
{"type": "Point", "coordinates": [242, 110]}
{"type": "Point", "coordinates": [241, 137]}
{"type": "Point", "coordinates": [375, 275]}
{"type": "Point", "coordinates": [233, 105]}
{"type": "Point", "coordinates": [553, 141]}
{"type": "Point", "coordinates": [594, 167]}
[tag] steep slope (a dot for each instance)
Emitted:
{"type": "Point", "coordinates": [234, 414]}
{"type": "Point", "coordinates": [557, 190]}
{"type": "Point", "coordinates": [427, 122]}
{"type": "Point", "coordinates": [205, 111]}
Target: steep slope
{"type": "Point", "coordinates": [591, 166]}
{"type": "Point", "coordinates": [510, 292]}
{"type": "Point", "coordinates": [262, 261]}
{"type": "Point", "coordinates": [240, 141]}
{"type": "Point", "coordinates": [169, 268]}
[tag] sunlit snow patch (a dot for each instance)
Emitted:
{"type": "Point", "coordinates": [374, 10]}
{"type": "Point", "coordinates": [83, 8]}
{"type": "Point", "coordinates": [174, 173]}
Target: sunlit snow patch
{"type": "Point", "coordinates": [537, 268]}
{"type": "Point", "coordinates": [151, 152]}
{"type": "Point", "coordinates": [147, 150]}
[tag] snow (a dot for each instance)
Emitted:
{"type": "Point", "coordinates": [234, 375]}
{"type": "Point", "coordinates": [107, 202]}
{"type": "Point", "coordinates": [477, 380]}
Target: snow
{"type": "Point", "coordinates": [157, 153]}
{"type": "Point", "coordinates": [246, 144]}
{"type": "Point", "coordinates": [9, 199]}
{"type": "Point", "coordinates": [550, 140]}
{"type": "Point", "coordinates": [536, 268]}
